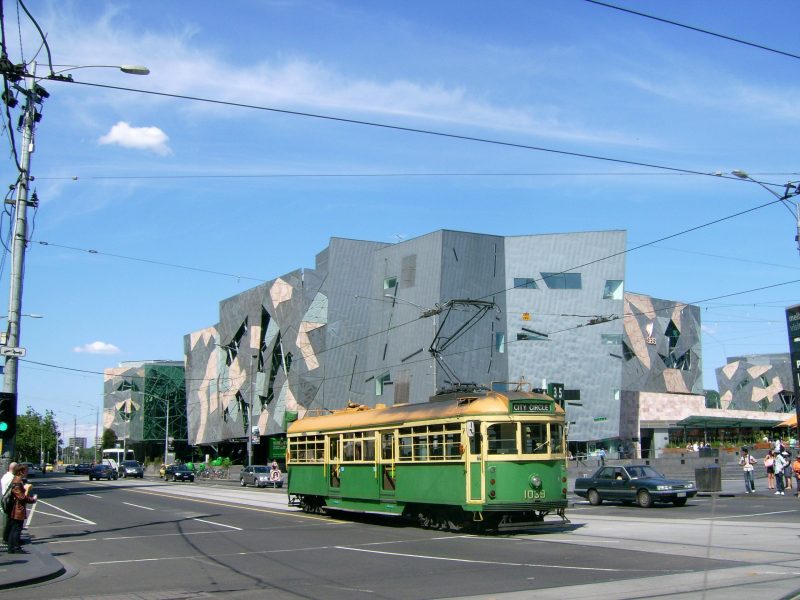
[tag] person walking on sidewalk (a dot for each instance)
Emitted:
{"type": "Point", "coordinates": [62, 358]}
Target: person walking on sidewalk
{"type": "Point", "coordinates": [780, 463]}
{"type": "Point", "coordinates": [746, 461]}
{"type": "Point", "coordinates": [796, 469]}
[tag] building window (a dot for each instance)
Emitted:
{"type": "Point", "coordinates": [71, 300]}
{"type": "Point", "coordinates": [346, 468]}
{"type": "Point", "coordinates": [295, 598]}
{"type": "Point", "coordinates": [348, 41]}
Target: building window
{"type": "Point", "coordinates": [525, 283]}
{"type": "Point", "coordinates": [500, 341]}
{"type": "Point", "coordinates": [389, 283]}
{"type": "Point", "coordinates": [562, 281]}
{"type": "Point", "coordinates": [611, 339]}
{"type": "Point", "coordinates": [616, 395]}
{"type": "Point", "coordinates": [380, 383]}
{"type": "Point", "coordinates": [613, 289]}
{"type": "Point", "coordinates": [742, 384]}
{"type": "Point", "coordinates": [764, 381]}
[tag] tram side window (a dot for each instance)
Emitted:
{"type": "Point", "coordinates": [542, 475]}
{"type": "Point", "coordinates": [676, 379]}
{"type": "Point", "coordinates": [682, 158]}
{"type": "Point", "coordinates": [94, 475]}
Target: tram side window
{"type": "Point", "coordinates": [420, 447]}
{"type": "Point", "coordinates": [348, 450]}
{"type": "Point", "coordinates": [404, 448]}
{"type": "Point", "coordinates": [556, 438]}
{"type": "Point", "coordinates": [453, 445]}
{"type": "Point", "coordinates": [534, 438]}
{"type": "Point", "coordinates": [502, 438]}
{"type": "Point", "coordinates": [369, 449]}
{"type": "Point", "coordinates": [333, 448]}
{"type": "Point", "coordinates": [437, 446]}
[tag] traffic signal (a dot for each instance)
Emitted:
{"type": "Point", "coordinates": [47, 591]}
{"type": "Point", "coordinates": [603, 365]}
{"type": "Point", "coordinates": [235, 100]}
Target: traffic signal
{"type": "Point", "coordinates": [8, 415]}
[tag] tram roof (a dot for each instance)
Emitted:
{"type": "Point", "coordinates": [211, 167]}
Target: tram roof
{"type": "Point", "coordinates": [449, 406]}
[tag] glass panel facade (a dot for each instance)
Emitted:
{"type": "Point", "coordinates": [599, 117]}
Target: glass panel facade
{"type": "Point", "coordinates": [613, 289]}
{"type": "Point", "coordinates": [526, 283]}
{"type": "Point", "coordinates": [562, 281]}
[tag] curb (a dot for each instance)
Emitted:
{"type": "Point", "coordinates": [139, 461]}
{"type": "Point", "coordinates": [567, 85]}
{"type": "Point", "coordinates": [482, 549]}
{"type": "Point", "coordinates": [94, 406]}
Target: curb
{"type": "Point", "coordinates": [40, 566]}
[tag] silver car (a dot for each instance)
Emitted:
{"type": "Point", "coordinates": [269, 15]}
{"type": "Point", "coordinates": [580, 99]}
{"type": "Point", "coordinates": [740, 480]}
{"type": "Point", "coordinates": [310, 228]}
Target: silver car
{"type": "Point", "coordinates": [260, 476]}
{"type": "Point", "coordinates": [131, 468]}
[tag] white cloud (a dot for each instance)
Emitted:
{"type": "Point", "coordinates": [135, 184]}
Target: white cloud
{"type": "Point", "coordinates": [97, 348]}
{"type": "Point", "coordinates": [141, 138]}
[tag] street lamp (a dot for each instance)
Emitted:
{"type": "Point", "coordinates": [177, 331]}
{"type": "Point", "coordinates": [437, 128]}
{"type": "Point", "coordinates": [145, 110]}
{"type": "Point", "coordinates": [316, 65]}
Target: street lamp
{"type": "Point", "coordinates": [129, 69]}
{"type": "Point", "coordinates": [791, 189]}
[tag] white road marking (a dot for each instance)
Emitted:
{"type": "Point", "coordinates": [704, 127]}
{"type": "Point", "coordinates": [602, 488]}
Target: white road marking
{"type": "Point", "coordinates": [77, 517]}
{"type": "Point", "coordinates": [78, 520]}
{"type": "Point", "coordinates": [71, 541]}
{"type": "Point", "coordinates": [138, 506]}
{"type": "Point", "coordinates": [480, 562]}
{"type": "Point", "coordinates": [220, 524]}
{"type": "Point", "coordinates": [775, 512]}
{"type": "Point", "coordinates": [95, 496]}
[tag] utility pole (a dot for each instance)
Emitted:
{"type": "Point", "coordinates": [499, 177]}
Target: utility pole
{"type": "Point", "coordinates": [33, 95]}
{"type": "Point", "coordinates": [166, 434]}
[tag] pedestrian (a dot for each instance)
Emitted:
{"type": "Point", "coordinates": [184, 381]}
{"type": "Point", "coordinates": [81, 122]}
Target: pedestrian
{"type": "Point", "coordinates": [22, 497]}
{"type": "Point", "coordinates": [746, 461]}
{"type": "Point", "coordinates": [769, 461]}
{"type": "Point", "coordinates": [779, 464]}
{"type": "Point", "coordinates": [5, 481]}
{"type": "Point", "coordinates": [602, 454]}
{"type": "Point", "coordinates": [788, 473]}
{"type": "Point", "coordinates": [796, 469]}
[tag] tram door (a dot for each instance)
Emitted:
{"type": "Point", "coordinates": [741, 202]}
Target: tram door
{"type": "Point", "coordinates": [334, 460]}
{"type": "Point", "coordinates": [475, 479]}
{"type": "Point", "coordinates": [386, 465]}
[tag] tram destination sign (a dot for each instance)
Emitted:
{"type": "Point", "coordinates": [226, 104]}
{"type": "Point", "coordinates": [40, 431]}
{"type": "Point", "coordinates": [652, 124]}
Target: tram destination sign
{"type": "Point", "coordinates": [531, 407]}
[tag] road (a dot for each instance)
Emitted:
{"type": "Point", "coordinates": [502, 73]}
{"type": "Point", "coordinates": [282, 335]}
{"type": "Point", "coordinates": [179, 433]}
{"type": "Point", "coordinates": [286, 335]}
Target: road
{"type": "Point", "coordinates": [183, 540]}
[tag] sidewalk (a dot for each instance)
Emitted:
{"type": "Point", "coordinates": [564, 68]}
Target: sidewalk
{"type": "Point", "coordinates": [25, 569]}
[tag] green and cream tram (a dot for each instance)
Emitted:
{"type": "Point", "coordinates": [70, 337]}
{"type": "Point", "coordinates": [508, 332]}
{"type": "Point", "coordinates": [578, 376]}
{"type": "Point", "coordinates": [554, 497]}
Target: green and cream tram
{"type": "Point", "coordinates": [476, 459]}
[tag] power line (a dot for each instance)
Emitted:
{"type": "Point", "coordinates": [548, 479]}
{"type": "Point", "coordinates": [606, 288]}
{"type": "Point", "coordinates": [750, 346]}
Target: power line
{"type": "Point", "coordinates": [146, 260]}
{"type": "Point", "coordinates": [692, 28]}
{"type": "Point", "coordinates": [387, 126]}
{"type": "Point", "coordinates": [377, 175]}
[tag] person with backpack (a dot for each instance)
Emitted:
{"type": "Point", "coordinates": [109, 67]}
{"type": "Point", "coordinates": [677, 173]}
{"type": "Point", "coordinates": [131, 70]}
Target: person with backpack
{"type": "Point", "coordinates": [21, 493]}
{"type": "Point", "coordinates": [746, 461]}
{"type": "Point", "coordinates": [5, 481]}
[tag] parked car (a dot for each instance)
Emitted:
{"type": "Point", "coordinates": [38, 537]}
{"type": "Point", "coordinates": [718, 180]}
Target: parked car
{"type": "Point", "coordinates": [260, 476]}
{"type": "Point", "coordinates": [103, 472]}
{"type": "Point", "coordinates": [48, 468]}
{"type": "Point", "coordinates": [70, 469]}
{"type": "Point", "coordinates": [83, 469]}
{"type": "Point", "coordinates": [178, 472]}
{"type": "Point", "coordinates": [633, 483]}
{"type": "Point", "coordinates": [131, 468]}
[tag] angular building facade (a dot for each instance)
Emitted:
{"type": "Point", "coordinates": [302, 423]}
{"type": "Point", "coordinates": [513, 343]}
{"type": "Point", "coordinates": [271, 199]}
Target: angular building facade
{"type": "Point", "coordinates": [394, 323]}
{"type": "Point", "coordinates": [138, 396]}
{"type": "Point", "coordinates": [757, 382]}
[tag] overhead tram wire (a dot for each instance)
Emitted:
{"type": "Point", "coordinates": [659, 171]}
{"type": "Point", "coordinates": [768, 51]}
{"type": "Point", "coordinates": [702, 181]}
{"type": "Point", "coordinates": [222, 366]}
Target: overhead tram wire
{"type": "Point", "coordinates": [397, 326]}
{"type": "Point", "coordinates": [410, 362]}
{"type": "Point", "coordinates": [431, 132]}
{"type": "Point", "coordinates": [693, 28]}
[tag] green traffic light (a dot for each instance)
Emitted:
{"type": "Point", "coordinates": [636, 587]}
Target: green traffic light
{"type": "Point", "coordinates": [3, 426]}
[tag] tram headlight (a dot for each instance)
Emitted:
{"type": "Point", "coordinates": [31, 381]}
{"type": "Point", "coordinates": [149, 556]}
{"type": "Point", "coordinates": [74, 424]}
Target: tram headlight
{"type": "Point", "coordinates": [536, 481]}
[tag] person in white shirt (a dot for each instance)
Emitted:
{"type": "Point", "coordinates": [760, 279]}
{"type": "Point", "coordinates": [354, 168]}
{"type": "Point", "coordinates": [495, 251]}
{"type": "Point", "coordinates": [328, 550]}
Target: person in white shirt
{"type": "Point", "coordinates": [746, 461]}
{"type": "Point", "coordinates": [5, 481]}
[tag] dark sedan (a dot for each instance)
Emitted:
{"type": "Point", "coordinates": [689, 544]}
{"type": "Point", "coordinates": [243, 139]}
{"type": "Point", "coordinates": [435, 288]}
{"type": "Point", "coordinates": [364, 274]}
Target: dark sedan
{"type": "Point", "coordinates": [103, 472]}
{"type": "Point", "coordinates": [178, 472]}
{"type": "Point", "coordinates": [633, 483]}
{"type": "Point", "coordinates": [83, 469]}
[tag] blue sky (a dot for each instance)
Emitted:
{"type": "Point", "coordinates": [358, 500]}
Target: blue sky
{"type": "Point", "coordinates": [220, 188]}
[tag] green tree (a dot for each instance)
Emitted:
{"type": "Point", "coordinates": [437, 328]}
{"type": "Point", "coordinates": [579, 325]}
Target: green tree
{"type": "Point", "coordinates": [38, 436]}
{"type": "Point", "coordinates": [109, 439]}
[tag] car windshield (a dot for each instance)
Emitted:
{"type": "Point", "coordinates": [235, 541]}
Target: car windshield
{"type": "Point", "coordinates": [180, 467]}
{"type": "Point", "coordinates": [130, 463]}
{"type": "Point", "coordinates": [260, 470]}
{"type": "Point", "coordinates": [641, 472]}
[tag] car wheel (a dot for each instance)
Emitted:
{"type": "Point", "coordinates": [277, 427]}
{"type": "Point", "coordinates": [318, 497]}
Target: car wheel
{"type": "Point", "coordinates": [644, 499]}
{"type": "Point", "coordinates": [242, 483]}
{"type": "Point", "coordinates": [173, 479]}
{"type": "Point", "coordinates": [594, 498]}
{"type": "Point", "coordinates": [679, 502]}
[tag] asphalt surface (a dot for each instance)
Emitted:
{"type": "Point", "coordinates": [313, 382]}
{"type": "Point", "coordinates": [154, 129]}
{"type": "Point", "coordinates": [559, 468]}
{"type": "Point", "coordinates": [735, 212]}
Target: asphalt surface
{"type": "Point", "coordinates": [147, 539]}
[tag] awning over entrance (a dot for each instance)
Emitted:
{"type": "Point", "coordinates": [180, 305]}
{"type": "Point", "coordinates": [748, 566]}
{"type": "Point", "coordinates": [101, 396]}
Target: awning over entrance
{"type": "Point", "coordinates": [790, 422]}
{"type": "Point", "coordinates": [727, 422]}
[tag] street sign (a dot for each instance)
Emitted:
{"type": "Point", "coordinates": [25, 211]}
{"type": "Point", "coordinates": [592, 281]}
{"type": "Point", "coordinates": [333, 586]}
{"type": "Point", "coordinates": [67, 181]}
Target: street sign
{"type": "Point", "coordinates": [12, 351]}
